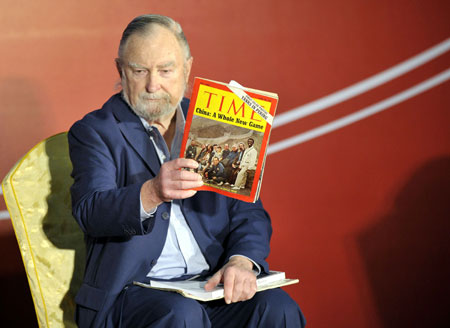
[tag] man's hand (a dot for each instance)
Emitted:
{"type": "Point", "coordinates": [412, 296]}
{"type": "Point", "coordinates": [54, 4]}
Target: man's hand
{"type": "Point", "coordinates": [172, 182]}
{"type": "Point", "coordinates": [238, 279]}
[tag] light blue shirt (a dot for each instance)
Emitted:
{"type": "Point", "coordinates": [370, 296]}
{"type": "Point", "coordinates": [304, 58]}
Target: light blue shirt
{"type": "Point", "coordinates": [175, 261]}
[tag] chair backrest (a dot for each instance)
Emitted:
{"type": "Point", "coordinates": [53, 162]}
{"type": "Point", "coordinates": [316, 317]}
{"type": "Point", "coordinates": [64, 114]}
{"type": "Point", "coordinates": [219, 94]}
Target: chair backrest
{"type": "Point", "coordinates": [36, 191]}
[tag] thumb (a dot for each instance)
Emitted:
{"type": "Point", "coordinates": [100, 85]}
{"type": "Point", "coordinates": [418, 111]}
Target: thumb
{"type": "Point", "coordinates": [213, 281]}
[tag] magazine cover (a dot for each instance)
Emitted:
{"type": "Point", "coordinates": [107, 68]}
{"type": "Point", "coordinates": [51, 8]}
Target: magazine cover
{"type": "Point", "coordinates": [227, 132]}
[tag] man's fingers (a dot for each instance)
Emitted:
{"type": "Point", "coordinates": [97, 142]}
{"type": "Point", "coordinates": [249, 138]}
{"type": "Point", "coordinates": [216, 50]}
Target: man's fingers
{"type": "Point", "coordinates": [172, 171]}
{"type": "Point", "coordinates": [173, 182]}
{"type": "Point", "coordinates": [228, 285]}
{"type": "Point", "coordinates": [213, 281]}
{"type": "Point", "coordinates": [238, 290]}
{"type": "Point", "coordinates": [187, 175]}
{"type": "Point", "coordinates": [175, 186]}
{"type": "Point", "coordinates": [180, 163]}
{"type": "Point", "coordinates": [250, 289]}
{"type": "Point", "coordinates": [239, 282]}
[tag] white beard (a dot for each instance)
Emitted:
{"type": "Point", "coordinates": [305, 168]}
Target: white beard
{"type": "Point", "coordinates": [151, 110]}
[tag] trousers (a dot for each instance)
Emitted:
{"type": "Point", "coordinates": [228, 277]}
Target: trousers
{"type": "Point", "coordinates": [146, 307]}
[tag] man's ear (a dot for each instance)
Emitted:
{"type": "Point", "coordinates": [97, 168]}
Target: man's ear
{"type": "Point", "coordinates": [188, 68]}
{"type": "Point", "coordinates": [119, 68]}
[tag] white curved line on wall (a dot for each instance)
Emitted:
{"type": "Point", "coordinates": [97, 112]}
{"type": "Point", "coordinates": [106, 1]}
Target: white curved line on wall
{"type": "Point", "coordinates": [361, 114]}
{"type": "Point", "coordinates": [362, 86]}
{"type": "Point", "coordinates": [350, 92]}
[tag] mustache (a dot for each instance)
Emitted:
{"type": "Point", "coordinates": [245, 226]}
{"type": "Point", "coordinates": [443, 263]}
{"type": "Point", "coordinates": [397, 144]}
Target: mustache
{"type": "Point", "coordinates": [154, 96]}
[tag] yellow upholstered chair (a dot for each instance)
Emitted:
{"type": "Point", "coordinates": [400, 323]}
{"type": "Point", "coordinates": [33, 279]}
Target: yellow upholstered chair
{"type": "Point", "coordinates": [36, 191]}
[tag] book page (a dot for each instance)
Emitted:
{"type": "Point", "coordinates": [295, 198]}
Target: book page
{"type": "Point", "coordinates": [195, 289]}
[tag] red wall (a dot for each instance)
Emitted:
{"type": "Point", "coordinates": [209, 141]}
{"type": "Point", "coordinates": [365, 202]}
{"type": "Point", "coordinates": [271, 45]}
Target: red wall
{"type": "Point", "coordinates": [360, 214]}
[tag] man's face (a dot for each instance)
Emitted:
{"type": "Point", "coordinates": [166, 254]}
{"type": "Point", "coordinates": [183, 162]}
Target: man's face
{"type": "Point", "coordinates": [250, 142]}
{"type": "Point", "coordinates": [241, 146]}
{"type": "Point", "coordinates": [234, 148]}
{"type": "Point", "coordinates": [215, 161]}
{"type": "Point", "coordinates": [154, 73]}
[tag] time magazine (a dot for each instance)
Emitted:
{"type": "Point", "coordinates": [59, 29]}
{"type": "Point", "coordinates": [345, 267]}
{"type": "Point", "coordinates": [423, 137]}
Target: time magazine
{"type": "Point", "coordinates": [227, 132]}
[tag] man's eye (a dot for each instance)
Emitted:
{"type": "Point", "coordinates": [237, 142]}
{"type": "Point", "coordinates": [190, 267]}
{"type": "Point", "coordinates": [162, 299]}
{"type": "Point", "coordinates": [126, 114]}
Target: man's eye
{"type": "Point", "coordinates": [140, 71]}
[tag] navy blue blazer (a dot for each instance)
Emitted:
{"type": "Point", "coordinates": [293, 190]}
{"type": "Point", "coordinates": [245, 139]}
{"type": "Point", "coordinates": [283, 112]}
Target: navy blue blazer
{"type": "Point", "coordinates": [112, 157]}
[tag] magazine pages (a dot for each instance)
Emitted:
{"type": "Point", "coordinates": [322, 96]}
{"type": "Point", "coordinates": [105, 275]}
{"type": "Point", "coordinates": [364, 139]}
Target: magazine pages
{"type": "Point", "coordinates": [227, 132]}
{"type": "Point", "coordinates": [195, 288]}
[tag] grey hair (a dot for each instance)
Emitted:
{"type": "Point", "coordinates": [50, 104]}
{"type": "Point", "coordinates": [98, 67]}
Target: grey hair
{"type": "Point", "coordinates": [142, 24]}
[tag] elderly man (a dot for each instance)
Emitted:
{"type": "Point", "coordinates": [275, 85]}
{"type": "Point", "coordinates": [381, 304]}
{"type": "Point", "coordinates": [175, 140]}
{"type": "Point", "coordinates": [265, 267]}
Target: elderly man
{"type": "Point", "coordinates": [191, 151]}
{"type": "Point", "coordinates": [228, 163]}
{"type": "Point", "coordinates": [141, 218]}
{"type": "Point", "coordinates": [246, 165]}
{"type": "Point", "coordinates": [216, 173]}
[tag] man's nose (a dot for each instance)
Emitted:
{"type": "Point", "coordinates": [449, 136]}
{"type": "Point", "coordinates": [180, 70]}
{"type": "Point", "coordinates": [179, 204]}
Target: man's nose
{"type": "Point", "coordinates": [153, 82]}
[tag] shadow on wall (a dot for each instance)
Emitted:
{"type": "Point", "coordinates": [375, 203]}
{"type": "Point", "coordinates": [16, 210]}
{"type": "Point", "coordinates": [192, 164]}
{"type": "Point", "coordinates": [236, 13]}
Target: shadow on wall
{"type": "Point", "coordinates": [407, 254]}
{"type": "Point", "coordinates": [16, 304]}
{"type": "Point", "coordinates": [21, 121]}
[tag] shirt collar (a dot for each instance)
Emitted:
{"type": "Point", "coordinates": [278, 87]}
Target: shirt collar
{"type": "Point", "coordinates": [179, 130]}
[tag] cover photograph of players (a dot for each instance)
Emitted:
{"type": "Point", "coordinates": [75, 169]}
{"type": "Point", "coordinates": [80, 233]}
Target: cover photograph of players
{"type": "Point", "coordinates": [227, 154]}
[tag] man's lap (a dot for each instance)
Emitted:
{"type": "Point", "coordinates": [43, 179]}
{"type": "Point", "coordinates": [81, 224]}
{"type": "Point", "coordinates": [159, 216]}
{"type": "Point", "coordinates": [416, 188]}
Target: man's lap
{"type": "Point", "coordinates": [144, 307]}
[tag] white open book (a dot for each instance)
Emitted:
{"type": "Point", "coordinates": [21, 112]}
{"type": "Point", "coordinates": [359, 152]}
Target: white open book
{"type": "Point", "coordinates": [195, 289]}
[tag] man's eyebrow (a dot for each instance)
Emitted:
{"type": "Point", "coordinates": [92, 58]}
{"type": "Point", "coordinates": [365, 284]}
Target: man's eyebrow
{"type": "Point", "coordinates": [160, 66]}
{"type": "Point", "coordinates": [135, 65]}
{"type": "Point", "coordinates": [167, 64]}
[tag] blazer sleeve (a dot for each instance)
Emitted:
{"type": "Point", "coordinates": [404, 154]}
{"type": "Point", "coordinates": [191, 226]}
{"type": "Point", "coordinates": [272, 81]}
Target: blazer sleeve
{"type": "Point", "coordinates": [100, 206]}
{"type": "Point", "coordinates": [250, 232]}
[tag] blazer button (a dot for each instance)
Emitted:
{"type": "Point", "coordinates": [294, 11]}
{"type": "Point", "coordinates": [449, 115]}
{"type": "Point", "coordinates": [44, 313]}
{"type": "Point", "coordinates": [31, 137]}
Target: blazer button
{"type": "Point", "coordinates": [165, 215]}
{"type": "Point", "coordinates": [154, 262]}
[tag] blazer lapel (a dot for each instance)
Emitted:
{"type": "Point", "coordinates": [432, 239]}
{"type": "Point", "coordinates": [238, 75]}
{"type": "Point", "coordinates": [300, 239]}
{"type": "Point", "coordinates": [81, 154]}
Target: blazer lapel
{"type": "Point", "coordinates": [134, 132]}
